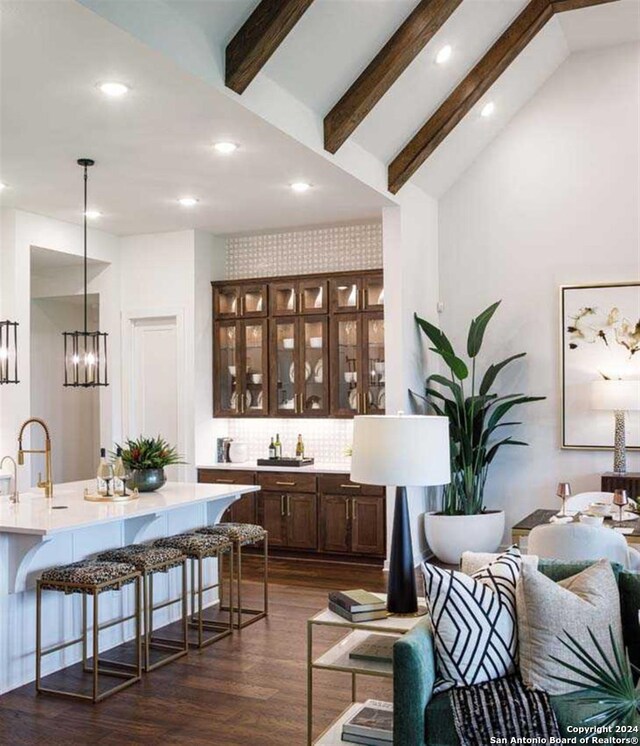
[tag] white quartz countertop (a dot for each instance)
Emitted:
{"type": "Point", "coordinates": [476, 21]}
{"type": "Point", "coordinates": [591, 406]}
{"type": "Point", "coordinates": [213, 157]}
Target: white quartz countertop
{"type": "Point", "coordinates": [318, 468]}
{"type": "Point", "coordinates": [35, 514]}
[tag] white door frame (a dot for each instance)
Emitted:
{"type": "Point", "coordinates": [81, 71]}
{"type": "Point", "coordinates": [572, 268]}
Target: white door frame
{"type": "Point", "coordinates": [129, 321]}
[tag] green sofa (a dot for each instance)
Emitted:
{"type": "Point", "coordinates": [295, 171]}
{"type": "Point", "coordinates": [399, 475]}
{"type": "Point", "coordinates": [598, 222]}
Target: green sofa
{"type": "Point", "coordinates": [422, 719]}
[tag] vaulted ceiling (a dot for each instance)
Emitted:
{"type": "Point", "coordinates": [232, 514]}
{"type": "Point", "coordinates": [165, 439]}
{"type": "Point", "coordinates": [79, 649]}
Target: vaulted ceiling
{"type": "Point", "coordinates": [317, 51]}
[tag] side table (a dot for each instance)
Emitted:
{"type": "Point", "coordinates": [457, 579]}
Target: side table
{"type": "Point", "coordinates": [336, 658]}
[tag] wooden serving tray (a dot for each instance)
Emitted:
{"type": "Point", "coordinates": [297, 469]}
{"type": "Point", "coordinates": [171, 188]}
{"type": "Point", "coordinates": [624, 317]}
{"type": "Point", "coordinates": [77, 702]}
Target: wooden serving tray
{"type": "Point", "coordinates": [94, 498]}
{"type": "Point", "coordinates": [285, 462]}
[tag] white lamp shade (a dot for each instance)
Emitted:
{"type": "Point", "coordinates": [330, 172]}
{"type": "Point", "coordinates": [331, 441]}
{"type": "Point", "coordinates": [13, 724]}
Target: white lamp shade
{"type": "Point", "coordinates": [401, 450]}
{"type": "Point", "coordinates": [613, 394]}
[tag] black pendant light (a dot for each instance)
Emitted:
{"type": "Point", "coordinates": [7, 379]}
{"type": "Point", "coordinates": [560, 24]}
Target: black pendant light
{"type": "Point", "coordinates": [9, 352]}
{"type": "Point", "coordinates": [85, 352]}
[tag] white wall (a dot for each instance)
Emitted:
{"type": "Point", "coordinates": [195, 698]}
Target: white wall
{"type": "Point", "coordinates": [72, 414]}
{"type": "Point", "coordinates": [410, 243]}
{"type": "Point", "coordinates": [19, 231]}
{"type": "Point", "coordinates": [554, 200]}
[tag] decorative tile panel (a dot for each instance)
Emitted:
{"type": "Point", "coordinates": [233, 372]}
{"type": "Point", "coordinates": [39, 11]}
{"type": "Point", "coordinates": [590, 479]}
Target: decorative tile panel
{"type": "Point", "coordinates": [325, 440]}
{"type": "Point", "coordinates": [333, 248]}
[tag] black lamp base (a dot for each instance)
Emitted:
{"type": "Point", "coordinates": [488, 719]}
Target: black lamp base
{"type": "Point", "coordinates": [402, 599]}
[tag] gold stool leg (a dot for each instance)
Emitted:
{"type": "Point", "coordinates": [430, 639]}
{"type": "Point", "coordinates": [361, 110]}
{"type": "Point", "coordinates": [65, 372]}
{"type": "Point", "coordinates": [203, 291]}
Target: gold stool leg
{"type": "Point", "coordinates": [266, 574]}
{"type": "Point", "coordinates": [96, 645]}
{"type": "Point", "coordinates": [38, 634]}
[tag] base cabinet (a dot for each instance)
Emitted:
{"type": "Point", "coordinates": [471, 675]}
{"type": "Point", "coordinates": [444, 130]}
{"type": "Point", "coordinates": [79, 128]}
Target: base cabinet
{"type": "Point", "coordinates": [326, 514]}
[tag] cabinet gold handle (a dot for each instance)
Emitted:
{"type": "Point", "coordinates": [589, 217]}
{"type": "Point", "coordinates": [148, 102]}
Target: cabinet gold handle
{"type": "Point", "coordinates": [282, 498]}
{"type": "Point", "coordinates": [353, 509]}
{"type": "Point", "coordinates": [364, 298]}
{"type": "Point", "coordinates": [286, 484]}
{"type": "Point", "coordinates": [225, 481]}
{"type": "Point", "coordinates": [288, 506]}
{"type": "Point", "coordinates": [346, 505]}
{"type": "Point", "coordinates": [350, 486]}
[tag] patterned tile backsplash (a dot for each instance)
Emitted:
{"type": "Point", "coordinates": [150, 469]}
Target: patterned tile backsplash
{"type": "Point", "coordinates": [332, 248]}
{"type": "Point", "coordinates": [325, 440]}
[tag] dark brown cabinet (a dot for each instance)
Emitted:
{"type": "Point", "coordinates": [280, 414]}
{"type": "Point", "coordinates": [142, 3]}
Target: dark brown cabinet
{"type": "Point", "coordinates": [241, 371]}
{"type": "Point", "coordinates": [243, 510]}
{"type": "Point", "coordinates": [299, 359]}
{"type": "Point", "coordinates": [310, 513]}
{"type": "Point", "coordinates": [235, 301]}
{"type": "Point", "coordinates": [353, 521]}
{"type": "Point", "coordinates": [299, 347]}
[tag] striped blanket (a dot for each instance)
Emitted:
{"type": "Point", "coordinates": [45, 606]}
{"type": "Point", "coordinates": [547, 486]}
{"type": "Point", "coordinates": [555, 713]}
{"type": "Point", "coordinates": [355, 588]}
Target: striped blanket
{"type": "Point", "coordinates": [502, 708]}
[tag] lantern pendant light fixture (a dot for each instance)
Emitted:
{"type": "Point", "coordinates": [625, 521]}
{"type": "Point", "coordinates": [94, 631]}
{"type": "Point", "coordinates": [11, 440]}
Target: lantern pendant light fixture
{"type": "Point", "coordinates": [9, 352]}
{"type": "Point", "coordinates": [85, 352]}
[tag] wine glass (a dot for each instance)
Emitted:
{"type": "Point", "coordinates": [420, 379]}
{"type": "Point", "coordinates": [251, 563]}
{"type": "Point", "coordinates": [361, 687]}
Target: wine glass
{"type": "Point", "coordinates": [125, 477]}
{"type": "Point", "coordinates": [563, 492]}
{"type": "Point", "coordinates": [620, 499]}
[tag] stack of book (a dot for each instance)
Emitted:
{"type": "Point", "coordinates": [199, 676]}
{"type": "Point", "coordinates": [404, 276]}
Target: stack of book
{"type": "Point", "coordinates": [357, 605]}
{"type": "Point", "coordinates": [372, 724]}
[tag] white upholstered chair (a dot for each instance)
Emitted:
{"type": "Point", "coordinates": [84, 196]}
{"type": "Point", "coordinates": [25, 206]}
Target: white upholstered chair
{"type": "Point", "coordinates": [578, 542]}
{"type": "Point", "coordinates": [581, 501]}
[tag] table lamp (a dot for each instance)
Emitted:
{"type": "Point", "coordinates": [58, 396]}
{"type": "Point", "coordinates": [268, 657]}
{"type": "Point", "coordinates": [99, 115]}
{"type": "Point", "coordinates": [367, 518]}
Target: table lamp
{"type": "Point", "coordinates": [619, 397]}
{"type": "Point", "coordinates": [402, 451]}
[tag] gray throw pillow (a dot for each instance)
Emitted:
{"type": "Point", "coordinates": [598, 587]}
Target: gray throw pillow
{"type": "Point", "coordinates": [546, 610]}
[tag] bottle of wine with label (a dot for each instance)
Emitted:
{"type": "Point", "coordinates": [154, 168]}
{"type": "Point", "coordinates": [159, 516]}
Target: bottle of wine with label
{"type": "Point", "coordinates": [118, 474]}
{"type": "Point", "coordinates": [300, 448]}
{"type": "Point", "coordinates": [278, 446]}
{"type": "Point", "coordinates": [272, 449]}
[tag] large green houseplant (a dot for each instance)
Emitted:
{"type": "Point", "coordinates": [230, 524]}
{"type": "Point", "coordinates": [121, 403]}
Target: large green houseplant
{"type": "Point", "coordinates": [476, 420]}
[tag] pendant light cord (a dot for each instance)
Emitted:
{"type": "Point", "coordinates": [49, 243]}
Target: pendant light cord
{"type": "Point", "coordinates": [85, 251]}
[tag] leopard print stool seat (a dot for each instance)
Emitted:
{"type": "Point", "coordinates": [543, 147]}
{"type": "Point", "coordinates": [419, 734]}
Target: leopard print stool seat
{"type": "Point", "coordinates": [90, 578]}
{"type": "Point", "coordinates": [244, 534]}
{"type": "Point", "coordinates": [150, 560]}
{"type": "Point", "coordinates": [198, 548]}
{"type": "Point", "coordinates": [144, 557]}
{"type": "Point", "coordinates": [195, 545]}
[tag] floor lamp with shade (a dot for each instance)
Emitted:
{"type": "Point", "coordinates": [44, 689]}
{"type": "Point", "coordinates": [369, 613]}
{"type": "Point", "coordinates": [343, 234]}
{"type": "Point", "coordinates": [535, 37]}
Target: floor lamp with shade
{"type": "Point", "coordinates": [402, 451]}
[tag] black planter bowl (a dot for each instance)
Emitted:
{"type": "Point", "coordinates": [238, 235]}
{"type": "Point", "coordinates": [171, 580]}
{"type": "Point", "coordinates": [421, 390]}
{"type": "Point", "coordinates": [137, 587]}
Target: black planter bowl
{"type": "Point", "coordinates": [147, 480]}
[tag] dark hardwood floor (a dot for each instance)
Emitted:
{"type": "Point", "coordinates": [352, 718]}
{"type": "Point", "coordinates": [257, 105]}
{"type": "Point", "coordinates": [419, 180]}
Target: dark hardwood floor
{"type": "Point", "coordinates": [247, 689]}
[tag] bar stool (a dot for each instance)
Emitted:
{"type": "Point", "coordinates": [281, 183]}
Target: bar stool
{"type": "Point", "coordinates": [149, 560]}
{"type": "Point", "coordinates": [244, 534]}
{"type": "Point", "coordinates": [198, 547]}
{"type": "Point", "coordinates": [90, 578]}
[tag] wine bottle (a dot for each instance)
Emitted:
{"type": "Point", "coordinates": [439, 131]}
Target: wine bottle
{"type": "Point", "coordinates": [104, 475]}
{"type": "Point", "coordinates": [272, 449]}
{"type": "Point", "coordinates": [300, 448]}
{"type": "Point", "coordinates": [278, 446]}
{"type": "Point", "coordinates": [118, 473]}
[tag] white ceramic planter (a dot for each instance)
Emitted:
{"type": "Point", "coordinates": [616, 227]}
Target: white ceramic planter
{"type": "Point", "coordinates": [448, 536]}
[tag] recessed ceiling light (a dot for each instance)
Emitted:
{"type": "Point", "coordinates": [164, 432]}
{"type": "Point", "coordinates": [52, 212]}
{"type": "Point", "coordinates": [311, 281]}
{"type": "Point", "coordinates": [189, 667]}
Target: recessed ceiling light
{"type": "Point", "coordinates": [301, 186]}
{"type": "Point", "coordinates": [444, 54]}
{"type": "Point", "coordinates": [225, 147]}
{"type": "Point", "coordinates": [113, 89]}
{"type": "Point", "coordinates": [188, 201]}
{"type": "Point", "coordinates": [93, 214]}
{"type": "Point", "coordinates": [488, 109]}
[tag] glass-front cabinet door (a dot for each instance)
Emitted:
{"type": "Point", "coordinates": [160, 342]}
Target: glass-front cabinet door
{"type": "Point", "coordinates": [373, 293]}
{"type": "Point", "coordinates": [346, 363]}
{"type": "Point", "coordinates": [256, 374]}
{"type": "Point", "coordinates": [240, 301]}
{"type": "Point", "coordinates": [312, 296]}
{"type": "Point", "coordinates": [226, 369]}
{"type": "Point", "coordinates": [284, 298]}
{"type": "Point", "coordinates": [285, 357]}
{"type": "Point", "coordinates": [346, 294]}
{"type": "Point", "coordinates": [314, 365]}
{"type": "Point", "coordinates": [373, 364]}
{"type": "Point", "coordinates": [226, 301]}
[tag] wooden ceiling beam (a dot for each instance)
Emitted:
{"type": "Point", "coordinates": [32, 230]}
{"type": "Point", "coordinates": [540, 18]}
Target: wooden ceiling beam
{"type": "Point", "coordinates": [387, 66]}
{"type": "Point", "coordinates": [467, 94]}
{"type": "Point", "coordinates": [531, 20]}
{"type": "Point", "coordinates": [260, 36]}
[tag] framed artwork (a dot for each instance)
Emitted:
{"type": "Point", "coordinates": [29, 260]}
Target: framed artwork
{"type": "Point", "coordinates": [600, 337]}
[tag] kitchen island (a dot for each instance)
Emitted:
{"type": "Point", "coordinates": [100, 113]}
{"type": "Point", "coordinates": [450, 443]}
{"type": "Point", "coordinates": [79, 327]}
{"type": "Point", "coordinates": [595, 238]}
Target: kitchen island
{"type": "Point", "coordinates": [38, 533]}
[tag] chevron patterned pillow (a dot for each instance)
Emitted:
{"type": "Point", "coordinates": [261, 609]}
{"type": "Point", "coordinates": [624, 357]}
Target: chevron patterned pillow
{"type": "Point", "coordinates": [474, 621]}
